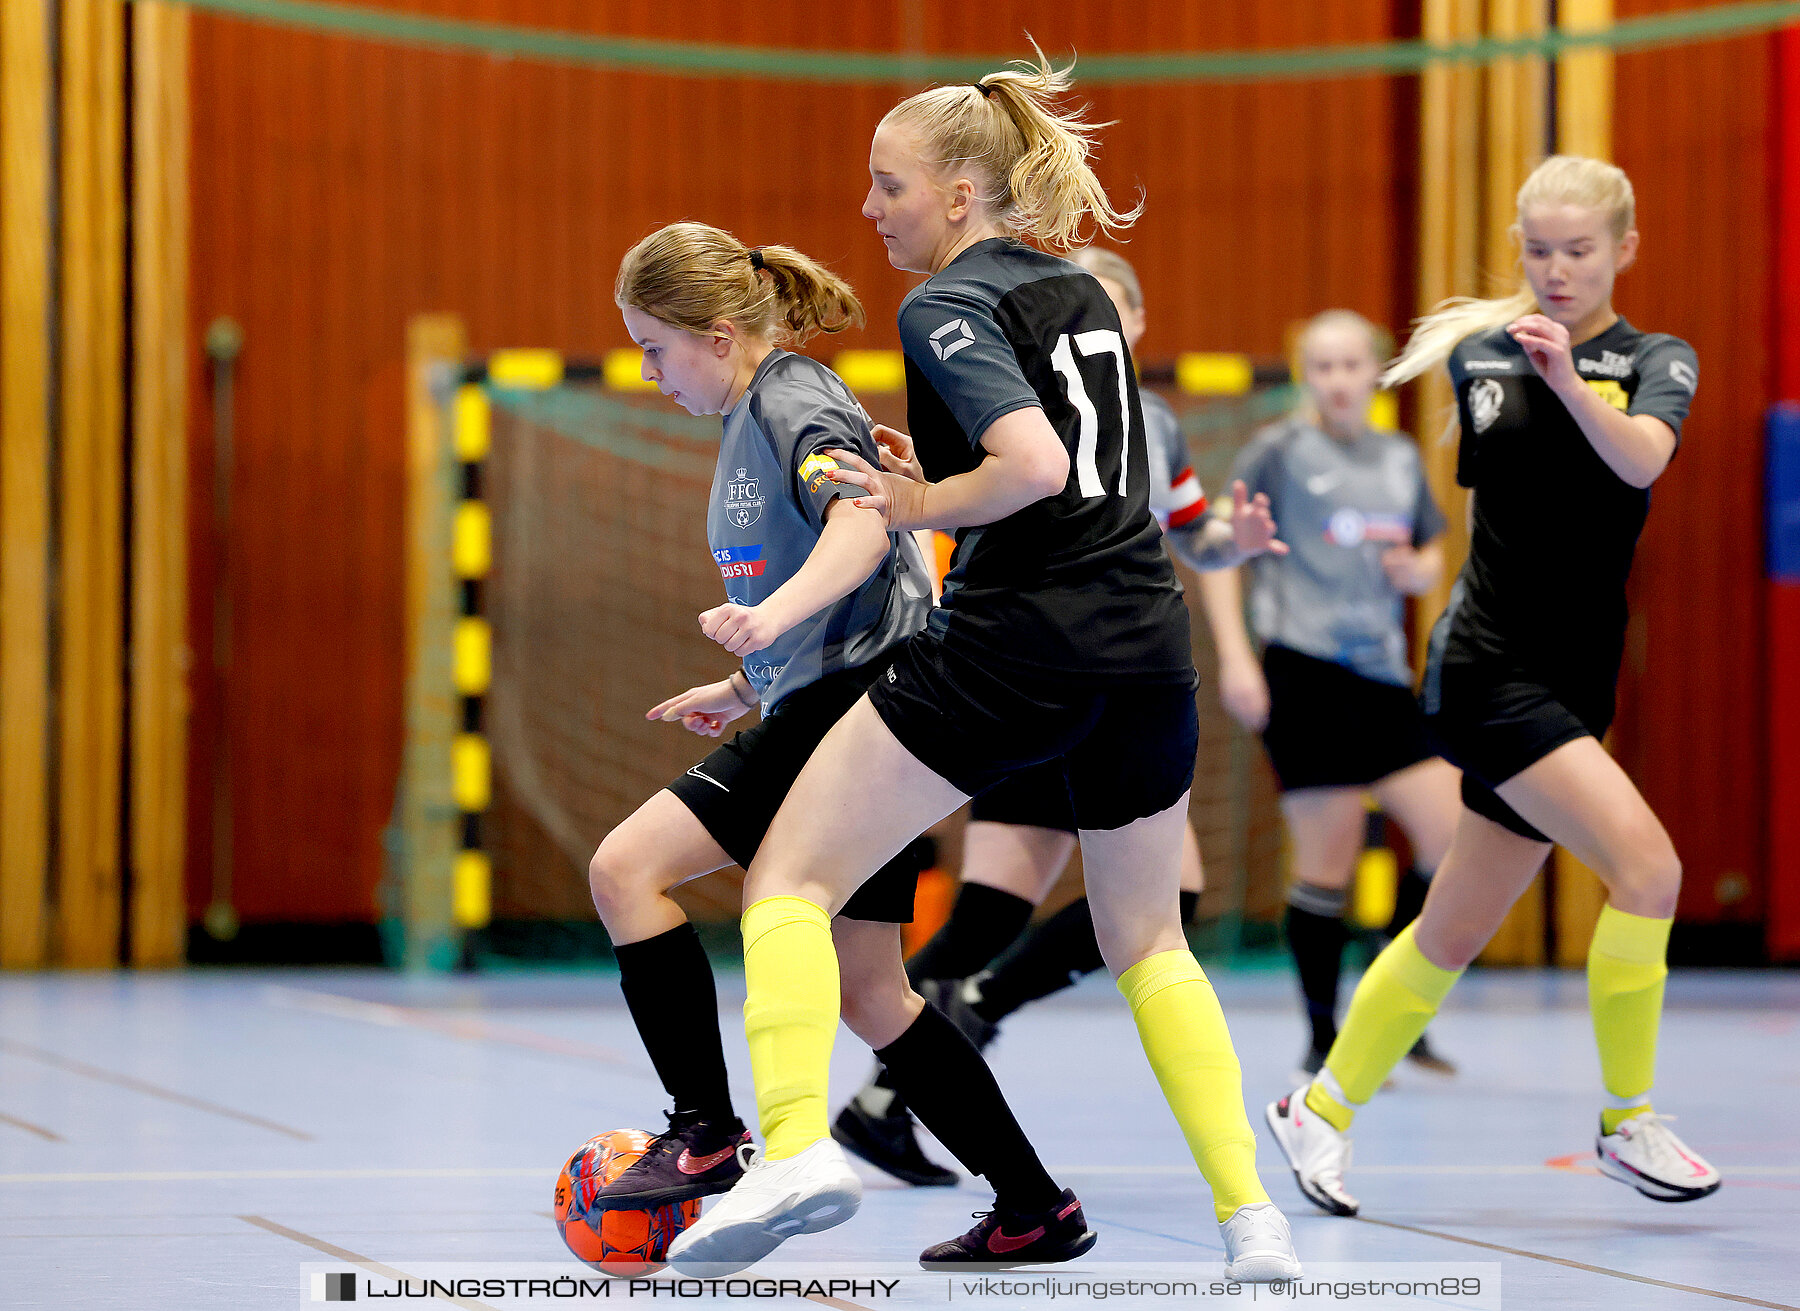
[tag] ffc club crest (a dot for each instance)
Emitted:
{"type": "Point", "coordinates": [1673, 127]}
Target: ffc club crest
{"type": "Point", "coordinates": [743, 506]}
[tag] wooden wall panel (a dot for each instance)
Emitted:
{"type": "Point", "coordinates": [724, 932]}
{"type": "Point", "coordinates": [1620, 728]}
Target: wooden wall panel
{"type": "Point", "coordinates": [90, 573]}
{"type": "Point", "coordinates": [339, 188]}
{"type": "Point", "coordinates": [1692, 127]}
{"type": "Point", "coordinates": [159, 646]}
{"type": "Point", "coordinates": [27, 88]}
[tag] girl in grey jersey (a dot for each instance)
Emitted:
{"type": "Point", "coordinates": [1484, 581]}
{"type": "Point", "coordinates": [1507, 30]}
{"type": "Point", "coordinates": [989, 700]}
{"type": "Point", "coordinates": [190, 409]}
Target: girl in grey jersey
{"type": "Point", "coordinates": [820, 592]}
{"type": "Point", "coordinates": [1331, 692]}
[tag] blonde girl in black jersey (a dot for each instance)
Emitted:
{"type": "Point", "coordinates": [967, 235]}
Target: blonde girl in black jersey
{"type": "Point", "coordinates": [1568, 414]}
{"type": "Point", "coordinates": [1062, 634]}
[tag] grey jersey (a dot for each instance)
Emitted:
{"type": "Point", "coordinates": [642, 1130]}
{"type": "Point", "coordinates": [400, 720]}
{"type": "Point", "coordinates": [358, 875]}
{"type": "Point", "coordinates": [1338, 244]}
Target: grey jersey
{"type": "Point", "coordinates": [1176, 497]}
{"type": "Point", "coordinates": [1339, 507]}
{"type": "Point", "coordinates": [768, 504]}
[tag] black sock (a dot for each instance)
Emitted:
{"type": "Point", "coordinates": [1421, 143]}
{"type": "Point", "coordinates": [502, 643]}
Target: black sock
{"type": "Point", "coordinates": [952, 1091]}
{"type": "Point", "coordinates": [668, 986]}
{"type": "Point", "coordinates": [982, 924]}
{"type": "Point", "coordinates": [1316, 935]}
{"type": "Point", "coordinates": [1054, 955]}
{"type": "Point", "coordinates": [1409, 900]}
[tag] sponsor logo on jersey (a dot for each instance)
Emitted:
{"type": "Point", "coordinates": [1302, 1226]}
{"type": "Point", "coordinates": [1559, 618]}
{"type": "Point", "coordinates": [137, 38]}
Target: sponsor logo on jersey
{"type": "Point", "coordinates": [1611, 364]}
{"type": "Point", "coordinates": [1610, 392]}
{"type": "Point", "coordinates": [764, 674]}
{"type": "Point", "coordinates": [740, 561]}
{"type": "Point", "coordinates": [743, 506]}
{"type": "Point", "coordinates": [1683, 373]}
{"type": "Point", "coordinates": [1485, 399]}
{"type": "Point", "coordinates": [952, 337]}
{"type": "Point", "coordinates": [1488, 366]}
{"type": "Point", "coordinates": [1350, 527]}
{"type": "Point", "coordinates": [815, 470]}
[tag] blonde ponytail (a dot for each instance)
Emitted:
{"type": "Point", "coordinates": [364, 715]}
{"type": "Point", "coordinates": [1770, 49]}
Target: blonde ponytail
{"type": "Point", "coordinates": [1559, 180]}
{"type": "Point", "coordinates": [692, 275]}
{"type": "Point", "coordinates": [1030, 157]}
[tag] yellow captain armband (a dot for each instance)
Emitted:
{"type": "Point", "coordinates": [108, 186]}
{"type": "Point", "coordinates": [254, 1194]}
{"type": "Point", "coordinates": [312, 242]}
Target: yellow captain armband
{"type": "Point", "coordinates": [815, 470]}
{"type": "Point", "coordinates": [1610, 392]}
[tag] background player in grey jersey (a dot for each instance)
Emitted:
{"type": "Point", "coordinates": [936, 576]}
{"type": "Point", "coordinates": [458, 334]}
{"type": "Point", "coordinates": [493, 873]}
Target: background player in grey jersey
{"type": "Point", "coordinates": [1332, 691]}
{"type": "Point", "coordinates": [820, 594]}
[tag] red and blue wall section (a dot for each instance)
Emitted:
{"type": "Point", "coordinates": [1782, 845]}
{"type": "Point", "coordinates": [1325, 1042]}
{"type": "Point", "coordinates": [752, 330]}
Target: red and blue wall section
{"type": "Point", "coordinates": [1783, 526]}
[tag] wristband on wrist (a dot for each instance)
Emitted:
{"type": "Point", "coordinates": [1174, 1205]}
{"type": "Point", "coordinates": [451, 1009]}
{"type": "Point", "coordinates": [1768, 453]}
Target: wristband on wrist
{"type": "Point", "coordinates": [748, 703]}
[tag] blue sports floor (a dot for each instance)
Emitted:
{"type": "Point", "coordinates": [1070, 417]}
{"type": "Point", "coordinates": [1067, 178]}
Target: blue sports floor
{"type": "Point", "coordinates": [195, 1140]}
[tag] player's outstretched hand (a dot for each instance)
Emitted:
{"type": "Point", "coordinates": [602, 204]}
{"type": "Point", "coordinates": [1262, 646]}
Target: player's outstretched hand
{"type": "Point", "coordinates": [1244, 693]}
{"type": "Point", "coordinates": [1546, 344]}
{"type": "Point", "coordinates": [899, 500]}
{"type": "Point", "coordinates": [740, 629]}
{"type": "Point", "coordinates": [897, 454]}
{"type": "Point", "coordinates": [1252, 526]}
{"type": "Point", "coordinates": [1406, 568]}
{"type": "Point", "coordinates": [704, 710]}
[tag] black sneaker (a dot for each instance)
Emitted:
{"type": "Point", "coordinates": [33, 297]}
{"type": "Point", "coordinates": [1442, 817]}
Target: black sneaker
{"type": "Point", "coordinates": [1001, 1240]}
{"type": "Point", "coordinates": [889, 1143]}
{"type": "Point", "coordinates": [947, 996]}
{"type": "Point", "coordinates": [692, 1158]}
{"type": "Point", "coordinates": [1426, 1057]}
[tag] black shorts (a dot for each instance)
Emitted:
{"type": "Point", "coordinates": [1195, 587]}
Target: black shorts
{"type": "Point", "coordinates": [1037, 797]}
{"type": "Point", "coordinates": [1330, 727]}
{"type": "Point", "coordinates": [736, 790]}
{"type": "Point", "coordinates": [1494, 720]}
{"type": "Point", "coordinates": [1127, 747]}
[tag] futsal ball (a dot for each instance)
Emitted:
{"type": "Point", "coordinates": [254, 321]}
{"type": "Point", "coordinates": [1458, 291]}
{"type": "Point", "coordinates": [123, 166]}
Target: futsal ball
{"type": "Point", "coordinates": [616, 1242]}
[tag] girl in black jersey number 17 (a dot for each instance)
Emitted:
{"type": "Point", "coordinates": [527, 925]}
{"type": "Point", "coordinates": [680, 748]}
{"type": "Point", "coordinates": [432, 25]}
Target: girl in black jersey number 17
{"type": "Point", "coordinates": [1062, 634]}
{"type": "Point", "coordinates": [1568, 414]}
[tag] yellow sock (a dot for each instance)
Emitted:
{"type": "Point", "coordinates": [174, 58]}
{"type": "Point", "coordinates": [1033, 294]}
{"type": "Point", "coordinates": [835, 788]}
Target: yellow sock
{"type": "Point", "coordinates": [790, 1019]}
{"type": "Point", "coordinates": [1184, 1035]}
{"type": "Point", "coordinates": [1626, 968]}
{"type": "Point", "coordinates": [1394, 1002]}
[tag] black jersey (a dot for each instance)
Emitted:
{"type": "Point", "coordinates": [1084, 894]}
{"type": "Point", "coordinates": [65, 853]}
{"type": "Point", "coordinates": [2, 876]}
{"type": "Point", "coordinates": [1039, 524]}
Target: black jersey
{"type": "Point", "coordinates": [1554, 528]}
{"type": "Point", "coordinates": [1078, 582]}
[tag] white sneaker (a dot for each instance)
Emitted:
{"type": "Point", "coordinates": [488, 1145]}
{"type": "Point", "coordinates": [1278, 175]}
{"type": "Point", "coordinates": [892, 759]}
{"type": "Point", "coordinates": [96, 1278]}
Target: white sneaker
{"type": "Point", "coordinates": [1645, 1153]}
{"type": "Point", "coordinates": [1258, 1247]}
{"type": "Point", "coordinates": [1316, 1152]}
{"type": "Point", "coordinates": [774, 1200]}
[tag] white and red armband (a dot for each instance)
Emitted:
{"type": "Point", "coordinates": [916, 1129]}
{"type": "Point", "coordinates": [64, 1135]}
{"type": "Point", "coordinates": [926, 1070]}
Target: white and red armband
{"type": "Point", "coordinates": [1186, 501]}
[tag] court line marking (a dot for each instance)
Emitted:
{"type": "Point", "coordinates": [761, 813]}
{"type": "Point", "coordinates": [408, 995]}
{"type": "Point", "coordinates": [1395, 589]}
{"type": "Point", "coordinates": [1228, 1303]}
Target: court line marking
{"type": "Point", "coordinates": [1580, 1265]}
{"type": "Point", "coordinates": [207, 1176]}
{"type": "Point", "coordinates": [337, 1253]}
{"type": "Point", "coordinates": [48, 1135]}
{"type": "Point", "coordinates": [390, 1016]}
{"type": "Point", "coordinates": [126, 1081]}
{"type": "Point", "coordinates": [1774, 1171]}
{"type": "Point", "coordinates": [546, 1172]}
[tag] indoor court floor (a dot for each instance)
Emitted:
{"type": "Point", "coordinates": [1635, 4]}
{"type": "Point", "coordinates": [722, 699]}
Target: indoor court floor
{"type": "Point", "coordinates": [204, 1139]}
